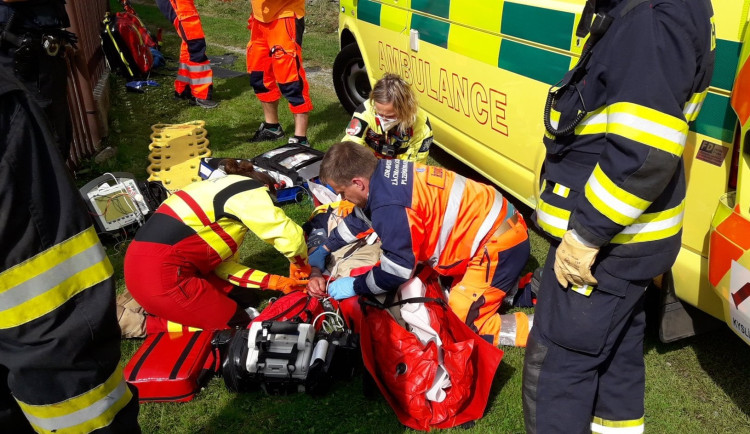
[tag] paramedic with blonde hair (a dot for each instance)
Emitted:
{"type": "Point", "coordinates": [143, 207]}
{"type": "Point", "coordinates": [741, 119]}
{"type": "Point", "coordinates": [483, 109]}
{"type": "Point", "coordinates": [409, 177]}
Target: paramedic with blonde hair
{"type": "Point", "coordinates": [391, 123]}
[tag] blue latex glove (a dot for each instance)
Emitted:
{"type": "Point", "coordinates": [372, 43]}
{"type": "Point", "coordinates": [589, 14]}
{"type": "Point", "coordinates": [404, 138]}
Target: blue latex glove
{"type": "Point", "coordinates": [341, 288]}
{"type": "Point", "coordinates": [318, 257]}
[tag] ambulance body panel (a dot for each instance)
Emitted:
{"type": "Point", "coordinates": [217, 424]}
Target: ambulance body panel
{"type": "Point", "coordinates": [482, 70]}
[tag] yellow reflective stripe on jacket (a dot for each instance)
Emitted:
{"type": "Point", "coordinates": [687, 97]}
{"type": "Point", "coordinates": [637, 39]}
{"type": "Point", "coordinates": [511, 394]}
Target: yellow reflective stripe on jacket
{"type": "Point", "coordinates": [44, 282]}
{"type": "Point", "coordinates": [552, 219]}
{"type": "Point", "coordinates": [86, 412]}
{"type": "Point", "coordinates": [240, 275]}
{"type": "Point", "coordinates": [604, 426]}
{"type": "Point", "coordinates": [561, 190]}
{"type": "Point", "coordinates": [618, 205]}
{"type": "Point", "coordinates": [638, 123]}
{"type": "Point", "coordinates": [175, 327]}
{"type": "Point", "coordinates": [554, 120]}
{"type": "Point", "coordinates": [693, 106]}
{"type": "Point", "coordinates": [652, 226]}
{"type": "Point", "coordinates": [205, 231]}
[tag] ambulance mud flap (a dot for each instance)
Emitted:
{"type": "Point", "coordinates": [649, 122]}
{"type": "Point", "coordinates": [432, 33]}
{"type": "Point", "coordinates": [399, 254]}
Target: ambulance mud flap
{"type": "Point", "coordinates": [678, 320]}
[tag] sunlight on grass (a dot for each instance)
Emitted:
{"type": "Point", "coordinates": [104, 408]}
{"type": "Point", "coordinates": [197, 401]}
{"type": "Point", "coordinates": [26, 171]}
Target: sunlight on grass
{"type": "Point", "coordinates": [695, 386]}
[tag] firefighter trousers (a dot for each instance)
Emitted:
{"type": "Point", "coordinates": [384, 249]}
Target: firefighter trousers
{"type": "Point", "coordinates": [583, 368]}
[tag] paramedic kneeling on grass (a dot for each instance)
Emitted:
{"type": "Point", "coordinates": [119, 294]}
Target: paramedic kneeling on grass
{"type": "Point", "coordinates": [434, 217]}
{"type": "Point", "coordinates": [182, 266]}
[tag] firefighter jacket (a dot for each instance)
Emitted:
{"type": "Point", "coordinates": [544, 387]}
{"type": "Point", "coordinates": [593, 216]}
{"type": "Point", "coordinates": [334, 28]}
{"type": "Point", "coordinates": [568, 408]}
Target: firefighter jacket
{"type": "Point", "coordinates": [617, 178]}
{"type": "Point", "coordinates": [413, 144]}
{"type": "Point", "coordinates": [423, 215]}
{"type": "Point", "coordinates": [266, 11]}
{"type": "Point", "coordinates": [206, 223]}
{"type": "Point", "coordinates": [58, 331]}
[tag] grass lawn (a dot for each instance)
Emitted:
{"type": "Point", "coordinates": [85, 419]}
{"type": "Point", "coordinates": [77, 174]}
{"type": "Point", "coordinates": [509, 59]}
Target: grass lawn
{"type": "Point", "coordinates": [698, 385]}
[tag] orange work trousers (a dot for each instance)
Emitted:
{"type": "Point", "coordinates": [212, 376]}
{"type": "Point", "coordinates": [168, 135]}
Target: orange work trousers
{"type": "Point", "coordinates": [493, 270]}
{"type": "Point", "coordinates": [194, 75]}
{"type": "Point", "coordinates": [274, 62]}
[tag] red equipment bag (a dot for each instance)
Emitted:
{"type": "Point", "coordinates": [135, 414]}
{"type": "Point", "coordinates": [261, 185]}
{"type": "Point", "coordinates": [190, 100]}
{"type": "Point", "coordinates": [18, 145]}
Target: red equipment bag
{"type": "Point", "coordinates": [296, 306]}
{"type": "Point", "coordinates": [404, 368]}
{"type": "Point", "coordinates": [172, 366]}
{"type": "Point", "coordinates": [127, 43]}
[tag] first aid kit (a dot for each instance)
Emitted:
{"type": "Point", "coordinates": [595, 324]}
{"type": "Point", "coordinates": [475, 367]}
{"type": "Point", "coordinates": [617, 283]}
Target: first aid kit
{"type": "Point", "coordinates": [172, 366]}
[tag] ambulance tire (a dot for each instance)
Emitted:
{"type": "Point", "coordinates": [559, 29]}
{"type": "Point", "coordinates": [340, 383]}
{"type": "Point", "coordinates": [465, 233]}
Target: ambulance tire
{"type": "Point", "coordinates": [350, 78]}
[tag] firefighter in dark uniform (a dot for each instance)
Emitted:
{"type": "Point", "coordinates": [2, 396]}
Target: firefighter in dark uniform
{"type": "Point", "coordinates": [612, 199]}
{"type": "Point", "coordinates": [59, 338]}
{"type": "Point", "coordinates": [32, 44]}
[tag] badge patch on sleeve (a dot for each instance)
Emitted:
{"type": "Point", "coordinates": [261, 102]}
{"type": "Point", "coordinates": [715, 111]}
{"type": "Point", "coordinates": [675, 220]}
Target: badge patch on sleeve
{"type": "Point", "coordinates": [426, 143]}
{"type": "Point", "coordinates": [436, 177]}
{"type": "Point", "coordinates": [355, 128]}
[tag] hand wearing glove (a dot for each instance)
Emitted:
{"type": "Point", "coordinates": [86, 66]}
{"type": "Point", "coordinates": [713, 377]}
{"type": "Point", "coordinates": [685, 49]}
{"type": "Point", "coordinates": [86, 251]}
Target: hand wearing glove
{"type": "Point", "coordinates": [341, 288]}
{"type": "Point", "coordinates": [299, 272]}
{"type": "Point", "coordinates": [284, 284]}
{"type": "Point", "coordinates": [573, 261]}
{"type": "Point", "coordinates": [318, 257]}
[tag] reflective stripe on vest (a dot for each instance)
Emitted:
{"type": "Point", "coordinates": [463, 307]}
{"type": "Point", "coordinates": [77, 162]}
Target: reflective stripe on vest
{"type": "Point", "coordinates": [44, 282]}
{"type": "Point", "coordinates": [449, 217]}
{"type": "Point", "coordinates": [617, 204]}
{"type": "Point", "coordinates": [91, 410]}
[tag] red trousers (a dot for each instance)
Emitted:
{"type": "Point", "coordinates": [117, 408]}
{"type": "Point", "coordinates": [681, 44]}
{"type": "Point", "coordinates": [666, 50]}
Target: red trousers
{"type": "Point", "coordinates": [167, 286]}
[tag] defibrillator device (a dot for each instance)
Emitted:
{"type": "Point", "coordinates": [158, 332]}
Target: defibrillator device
{"type": "Point", "coordinates": [117, 201]}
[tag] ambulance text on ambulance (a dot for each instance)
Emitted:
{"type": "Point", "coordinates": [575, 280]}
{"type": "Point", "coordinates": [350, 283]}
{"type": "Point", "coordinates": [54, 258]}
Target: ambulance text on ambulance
{"type": "Point", "coordinates": [452, 90]}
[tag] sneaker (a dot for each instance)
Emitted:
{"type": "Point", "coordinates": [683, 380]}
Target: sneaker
{"type": "Point", "coordinates": [264, 133]}
{"type": "Point", "coordinates": [296, 141]}
{"type": "Point", "coordinates": [204, 103]}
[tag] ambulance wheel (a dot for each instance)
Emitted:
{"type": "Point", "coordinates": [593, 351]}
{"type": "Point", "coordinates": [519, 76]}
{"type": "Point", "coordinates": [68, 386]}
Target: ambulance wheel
{"type": "Point", "coordinates": [350, 78]}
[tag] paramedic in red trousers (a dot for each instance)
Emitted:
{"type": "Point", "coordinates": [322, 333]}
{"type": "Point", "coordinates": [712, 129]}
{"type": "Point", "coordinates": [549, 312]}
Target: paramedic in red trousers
{"type": "Point", "coordinates": [183, 267]}
{"type": "Point", "coordinates": [391, 123]}
{"type": "Point", "coordinates": [429, 216]}
{"type": "Point", "coordinates": [194, 80]}
{"type": "Point", "coordinates": [274, 62]}
{"type": "Point", "coordinates": [59, 338]}
{"type": "Point", "coordinates": [612, 198]}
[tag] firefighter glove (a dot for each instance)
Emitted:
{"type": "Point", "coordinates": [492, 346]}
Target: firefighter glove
{"type": "Point", "coordinates": [299, 272]}
{"type": "Point", "coordinates": [318, 257]}
{"type": "Point", "coordinates": [573, 261]}
{"type": "Point", "coordinates": [341, 288]}
{"type": "Point", "coordinates": [285, 284]}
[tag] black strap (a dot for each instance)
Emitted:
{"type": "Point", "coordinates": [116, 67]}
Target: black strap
{"type": "Point", "coordinates": [372, 301]}
{"type": "Point", "coordinates": [134, 373]}
{"type": "Point", "coordinates": [630, 5]}
{"type": "Point", "coordinates": [185, 353]}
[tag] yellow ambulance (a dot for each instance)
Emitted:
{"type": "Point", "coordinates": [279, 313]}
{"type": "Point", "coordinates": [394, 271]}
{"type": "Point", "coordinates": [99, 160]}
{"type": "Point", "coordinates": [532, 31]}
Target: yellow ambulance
{"type": "Point", "coordinates": [482, 70]}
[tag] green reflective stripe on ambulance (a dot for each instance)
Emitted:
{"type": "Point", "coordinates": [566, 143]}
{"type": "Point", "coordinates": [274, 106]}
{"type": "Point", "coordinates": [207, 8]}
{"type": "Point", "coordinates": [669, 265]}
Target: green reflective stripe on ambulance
{"type": "Point", "coordinates": [725, 65]}
{"type": "Point", "coordinates": [368, 11]}
{"type": "Point", "coordinates": [440, 8]}
{"type": "Point", "coordinates": [484, 15]}
{"type": "Point", "coordinates": [716, 118]}
{"type": "Point", "coordinates": [545, 26]}
{"type": "Point", "coordinates": [532, 62]}
{"type": "Point", "coordinates": [431, 30]}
